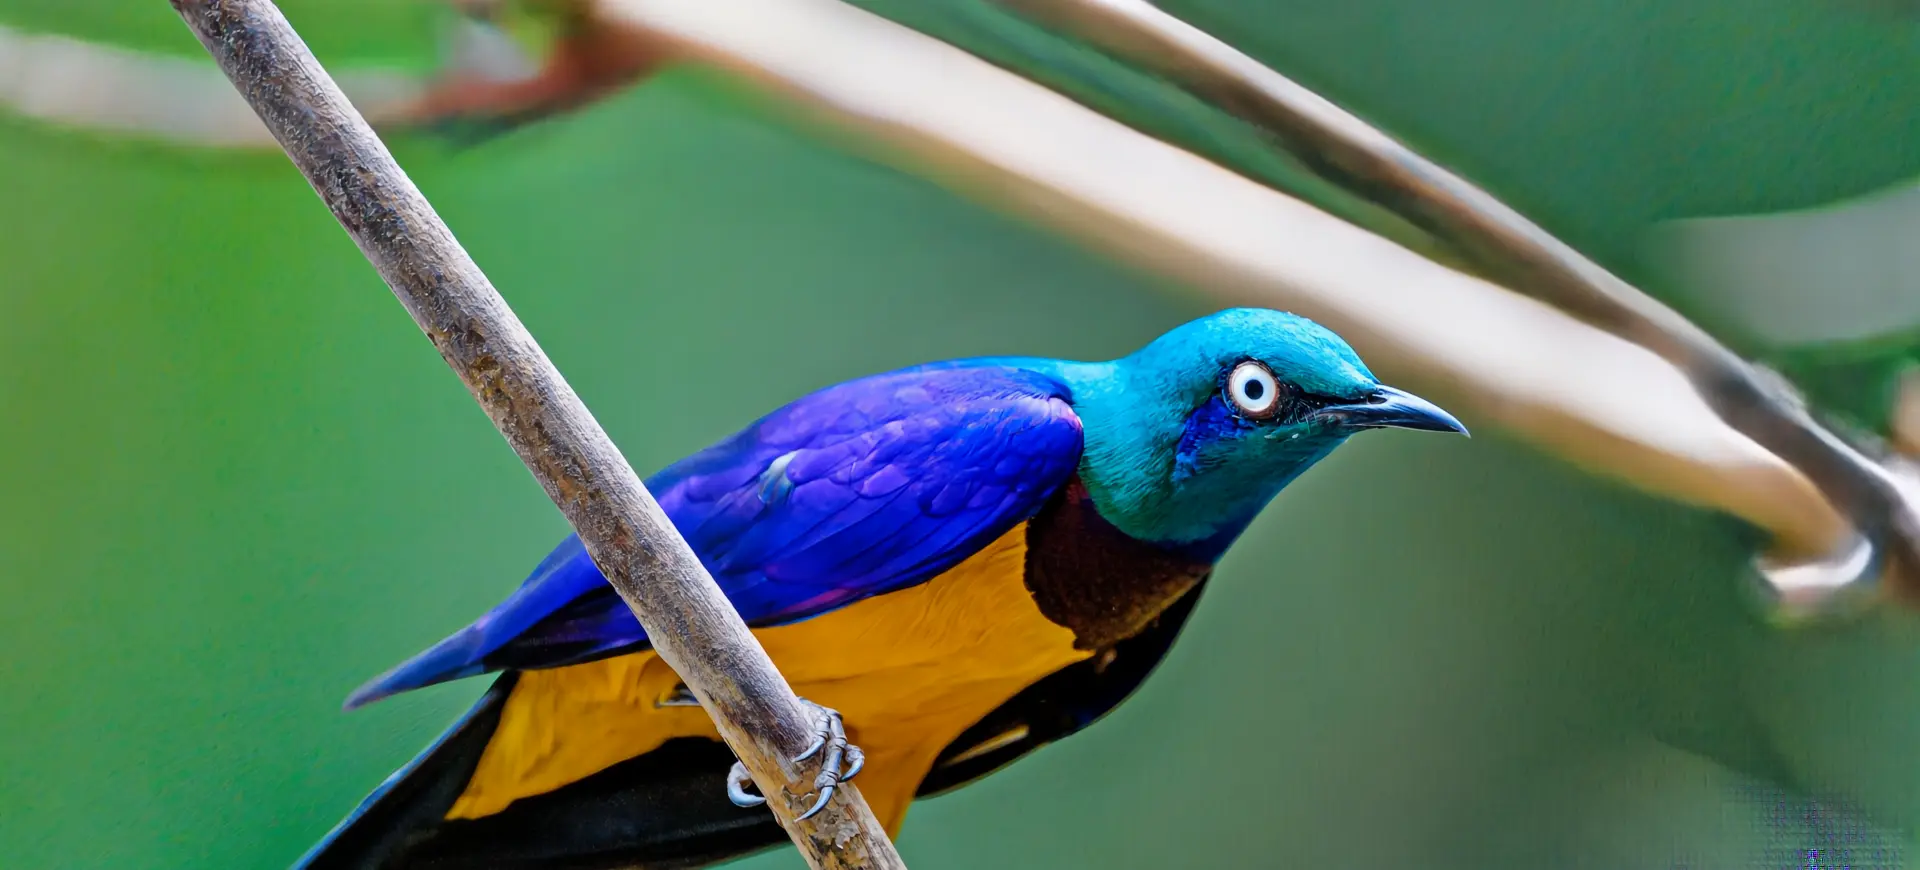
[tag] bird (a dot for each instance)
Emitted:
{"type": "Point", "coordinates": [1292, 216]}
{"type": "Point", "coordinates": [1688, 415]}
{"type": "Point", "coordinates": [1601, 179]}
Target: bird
{"type": "Point", "coordinates": [953, 564]}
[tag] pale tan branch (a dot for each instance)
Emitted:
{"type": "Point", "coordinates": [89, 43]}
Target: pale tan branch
{"type": "Point", "coordinates": [911, 100]}
{"type": "Point", "coordinates": [1508, 246]}
{"type": "Point", "coordinates": [688, 619]}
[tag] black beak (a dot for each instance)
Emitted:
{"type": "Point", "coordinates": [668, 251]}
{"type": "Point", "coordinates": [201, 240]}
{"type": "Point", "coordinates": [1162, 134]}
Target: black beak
{"type": "Point", "coordinates": [1389, 408]}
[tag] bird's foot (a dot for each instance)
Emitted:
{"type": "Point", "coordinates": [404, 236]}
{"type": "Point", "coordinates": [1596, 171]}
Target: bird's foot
{"type": "Point", "coordinates": [840, 761]}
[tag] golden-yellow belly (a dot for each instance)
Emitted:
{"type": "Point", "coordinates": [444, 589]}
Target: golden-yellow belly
{"type": "Point", "coordinates": [909, 670]}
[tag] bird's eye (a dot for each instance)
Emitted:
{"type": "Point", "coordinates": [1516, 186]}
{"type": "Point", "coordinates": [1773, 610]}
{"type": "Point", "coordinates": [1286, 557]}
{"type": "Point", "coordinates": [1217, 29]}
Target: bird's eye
{"type": "Point", "coordinates": [1254, 390]}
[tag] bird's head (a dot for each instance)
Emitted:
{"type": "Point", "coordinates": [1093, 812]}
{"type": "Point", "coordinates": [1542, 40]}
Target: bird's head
{"type": "Point", "coordinates": [1189, 437]}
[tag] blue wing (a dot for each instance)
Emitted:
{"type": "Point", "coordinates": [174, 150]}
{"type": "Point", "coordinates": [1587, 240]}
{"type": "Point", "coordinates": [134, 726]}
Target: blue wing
{"type": "Point", "coordinates": [857, 490]}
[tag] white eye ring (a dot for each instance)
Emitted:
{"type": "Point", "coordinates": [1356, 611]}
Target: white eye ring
{"type": "Point", "coordinates": [1253, 389]}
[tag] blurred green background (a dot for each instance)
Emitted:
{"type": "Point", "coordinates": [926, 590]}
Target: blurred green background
{"type": "Point", "coordinates": [238, 481]}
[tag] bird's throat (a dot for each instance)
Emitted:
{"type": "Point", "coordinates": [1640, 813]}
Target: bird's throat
{"type": "Point", "coordinates": [1097, 581]}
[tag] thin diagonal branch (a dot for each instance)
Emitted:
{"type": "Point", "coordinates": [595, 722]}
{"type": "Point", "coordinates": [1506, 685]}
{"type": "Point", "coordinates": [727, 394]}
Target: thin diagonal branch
{"type": "Point", "coordinates": [688, 619]}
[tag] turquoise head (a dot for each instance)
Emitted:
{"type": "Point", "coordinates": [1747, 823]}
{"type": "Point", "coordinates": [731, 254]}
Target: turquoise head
{"type": "Point", "coordinates": [1190, 437]}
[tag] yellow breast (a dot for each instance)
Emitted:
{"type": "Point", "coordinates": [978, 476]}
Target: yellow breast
{"type": "Point", "coordinates": [909, 670]}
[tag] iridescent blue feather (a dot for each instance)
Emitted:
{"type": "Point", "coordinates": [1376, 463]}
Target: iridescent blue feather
{"type": "Point", "coordinates": [856, 490]}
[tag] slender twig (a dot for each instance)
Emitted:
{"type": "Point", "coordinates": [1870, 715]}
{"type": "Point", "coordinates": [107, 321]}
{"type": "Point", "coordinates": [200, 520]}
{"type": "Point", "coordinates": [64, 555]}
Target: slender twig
{"type": "Point", "coordinates": [687, 617]}
{"type": "Point", "coordinates": [910, 100]}
{"type": "Point", "coordinates": [1520, 253]}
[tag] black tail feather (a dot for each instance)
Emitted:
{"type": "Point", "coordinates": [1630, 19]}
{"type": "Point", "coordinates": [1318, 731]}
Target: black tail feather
{"type": "Point", "coordinates": [665, 810]}
{"type": "Point", "coordinates": [416, 797]}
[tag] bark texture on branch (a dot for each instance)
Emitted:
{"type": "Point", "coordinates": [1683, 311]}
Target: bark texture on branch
{"type": "Point", "coordinates": [688, 618]}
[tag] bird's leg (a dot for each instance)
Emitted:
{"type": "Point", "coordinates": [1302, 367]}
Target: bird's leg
{"type": "Point", "coordinates": [840, 761]}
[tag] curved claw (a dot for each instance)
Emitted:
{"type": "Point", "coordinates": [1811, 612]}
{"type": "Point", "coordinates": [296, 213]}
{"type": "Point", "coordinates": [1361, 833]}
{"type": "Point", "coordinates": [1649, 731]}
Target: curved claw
{"type": "Point", "coordinates": [855, 761]}
{"type": "Point", "coordinates": [737, 782]}
{"type": "Point", "coordinates": [832, 736]}
{"type": "Point", "coordinates": [828, 730]}
{"type": "Point", "coordinates": [826, 794]}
